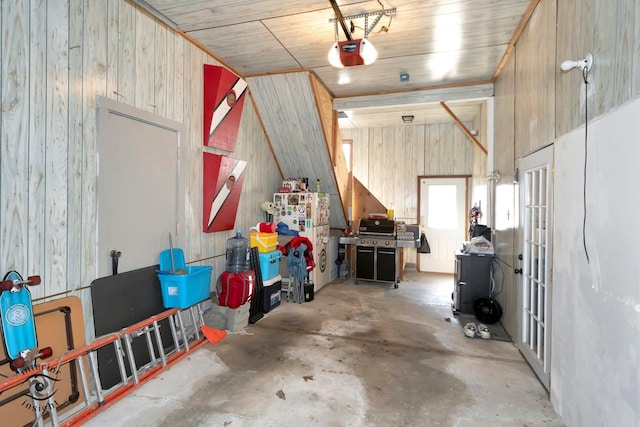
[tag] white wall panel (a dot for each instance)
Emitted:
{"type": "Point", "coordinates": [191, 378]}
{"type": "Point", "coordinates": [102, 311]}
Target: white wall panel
{"type": "Point", "coordinates": [595, 380]}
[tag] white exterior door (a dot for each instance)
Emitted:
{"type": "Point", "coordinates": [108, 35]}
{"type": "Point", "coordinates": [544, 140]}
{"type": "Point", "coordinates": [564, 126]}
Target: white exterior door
{"type": "Point", "coordinates": [536, 231]}
{"type": "Point", "coordinates": [443, 221]}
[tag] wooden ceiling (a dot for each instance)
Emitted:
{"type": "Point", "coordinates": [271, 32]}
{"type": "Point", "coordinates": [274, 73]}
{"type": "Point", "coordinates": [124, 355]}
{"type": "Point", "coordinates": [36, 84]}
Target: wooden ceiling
{"type": "Point", "coordinates": [451, 49]}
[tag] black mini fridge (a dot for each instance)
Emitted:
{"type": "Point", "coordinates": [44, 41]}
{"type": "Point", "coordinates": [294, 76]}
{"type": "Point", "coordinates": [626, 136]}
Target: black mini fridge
{"type": "Point", "coordinates": [472, 280]}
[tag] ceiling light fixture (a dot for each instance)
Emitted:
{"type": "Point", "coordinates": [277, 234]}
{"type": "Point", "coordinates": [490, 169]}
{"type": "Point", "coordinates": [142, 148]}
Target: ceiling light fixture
{"type": "Point", "coordinates": [408, 119]}
{"type": "Point", "coordinates": [352, 52]}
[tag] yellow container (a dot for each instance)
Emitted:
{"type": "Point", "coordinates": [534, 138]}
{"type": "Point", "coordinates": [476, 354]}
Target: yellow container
{"type": "Point", "coordinates": [265, 242]}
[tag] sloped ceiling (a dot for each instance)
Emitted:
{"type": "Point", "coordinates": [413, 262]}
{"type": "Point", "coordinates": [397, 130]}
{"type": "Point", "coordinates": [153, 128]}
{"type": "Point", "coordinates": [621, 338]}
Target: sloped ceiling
{"type": "Point", "coordinates": [288, 108]}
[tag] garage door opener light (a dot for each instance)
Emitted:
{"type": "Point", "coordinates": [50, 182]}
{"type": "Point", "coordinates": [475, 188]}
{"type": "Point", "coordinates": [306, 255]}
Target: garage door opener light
{"type": "Point", "coordinates": [352, 52]}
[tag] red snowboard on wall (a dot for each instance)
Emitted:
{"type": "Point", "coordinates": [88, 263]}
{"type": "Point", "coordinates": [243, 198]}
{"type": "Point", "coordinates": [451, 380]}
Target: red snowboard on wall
{"type": "Point", "coordinates": [222, 186]}
{"type": "Point", "coordinates": [223, 100]}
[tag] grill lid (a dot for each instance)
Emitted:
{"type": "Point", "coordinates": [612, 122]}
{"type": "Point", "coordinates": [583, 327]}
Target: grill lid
{"type": "Point", "coordinates": [378, 227]}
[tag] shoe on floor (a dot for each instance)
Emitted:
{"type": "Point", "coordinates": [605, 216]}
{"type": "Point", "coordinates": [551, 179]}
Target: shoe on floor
{"type": "Point", "coordinates": [470, 330]}
{"type": "Point", "coordinates": [484, 332]}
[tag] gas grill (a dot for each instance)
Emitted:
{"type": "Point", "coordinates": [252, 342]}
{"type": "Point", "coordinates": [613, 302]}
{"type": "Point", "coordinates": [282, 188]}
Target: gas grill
{"type": "Point", "coordinates": [377, 233]}
{"type": "Point", "coordinates": [376, 256]}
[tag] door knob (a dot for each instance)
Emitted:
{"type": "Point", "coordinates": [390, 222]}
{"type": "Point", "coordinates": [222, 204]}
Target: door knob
{"type": "Point", "coordinates": [517, 270]}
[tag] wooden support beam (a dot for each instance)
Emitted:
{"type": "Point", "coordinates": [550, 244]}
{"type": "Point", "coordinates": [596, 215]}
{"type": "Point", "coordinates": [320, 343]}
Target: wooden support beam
{"type": "Point", "coordinates": [515, 37]}
{"type": "Point", "coordinates": [464, 129]}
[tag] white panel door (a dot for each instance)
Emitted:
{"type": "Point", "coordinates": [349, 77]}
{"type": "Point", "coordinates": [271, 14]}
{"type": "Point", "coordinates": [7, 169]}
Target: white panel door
{"type": "Point", "coordinates": [535, 297]}
{"type": "Point", "coordinates": [138, 187]}
{"type": "Point", "coordinates": [443, 221]}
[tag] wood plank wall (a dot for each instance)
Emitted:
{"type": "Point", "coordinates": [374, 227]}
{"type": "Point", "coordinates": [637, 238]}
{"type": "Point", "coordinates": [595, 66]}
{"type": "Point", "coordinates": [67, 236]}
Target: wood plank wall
{"type": "Point", "coordinates": [56, 57]}
{"type": "Point", "coordinates": [388, 162]}
{"type": "Point", "coordinates": [478, 181]}
{"type": "Point", "coordinates": [534, 91]}
{"type": "Point", "coordinates": [506, 208]}
{"type": "Point", "coordinates": [536, 103]}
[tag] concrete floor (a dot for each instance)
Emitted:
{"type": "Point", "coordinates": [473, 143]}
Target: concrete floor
{"type": "Point", "coordinates": [358, 355]}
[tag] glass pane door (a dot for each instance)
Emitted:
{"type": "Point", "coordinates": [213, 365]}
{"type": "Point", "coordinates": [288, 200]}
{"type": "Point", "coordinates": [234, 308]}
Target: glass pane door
{"type": "Point", "coordinates": [536, 186]}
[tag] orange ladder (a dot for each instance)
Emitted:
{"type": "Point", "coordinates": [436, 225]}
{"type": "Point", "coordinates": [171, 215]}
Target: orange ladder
{"type": "Point", "coordinates": [186, 337]}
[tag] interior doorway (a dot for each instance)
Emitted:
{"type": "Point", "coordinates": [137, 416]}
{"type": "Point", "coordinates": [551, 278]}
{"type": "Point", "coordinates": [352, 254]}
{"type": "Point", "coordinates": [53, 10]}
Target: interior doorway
{"type": "Point", "coordinates": [535, 297]}
{"type": "Point", "coordinates": [441, 212]}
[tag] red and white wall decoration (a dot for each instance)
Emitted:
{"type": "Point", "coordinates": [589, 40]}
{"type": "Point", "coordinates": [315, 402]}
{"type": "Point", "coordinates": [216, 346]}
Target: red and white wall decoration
{"type": "Point", "coordinates": [223, 101]}
{"type": "Point", "coordinates": [224, 94]}
{"type": "Point", "coordinates": [222, 185]}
